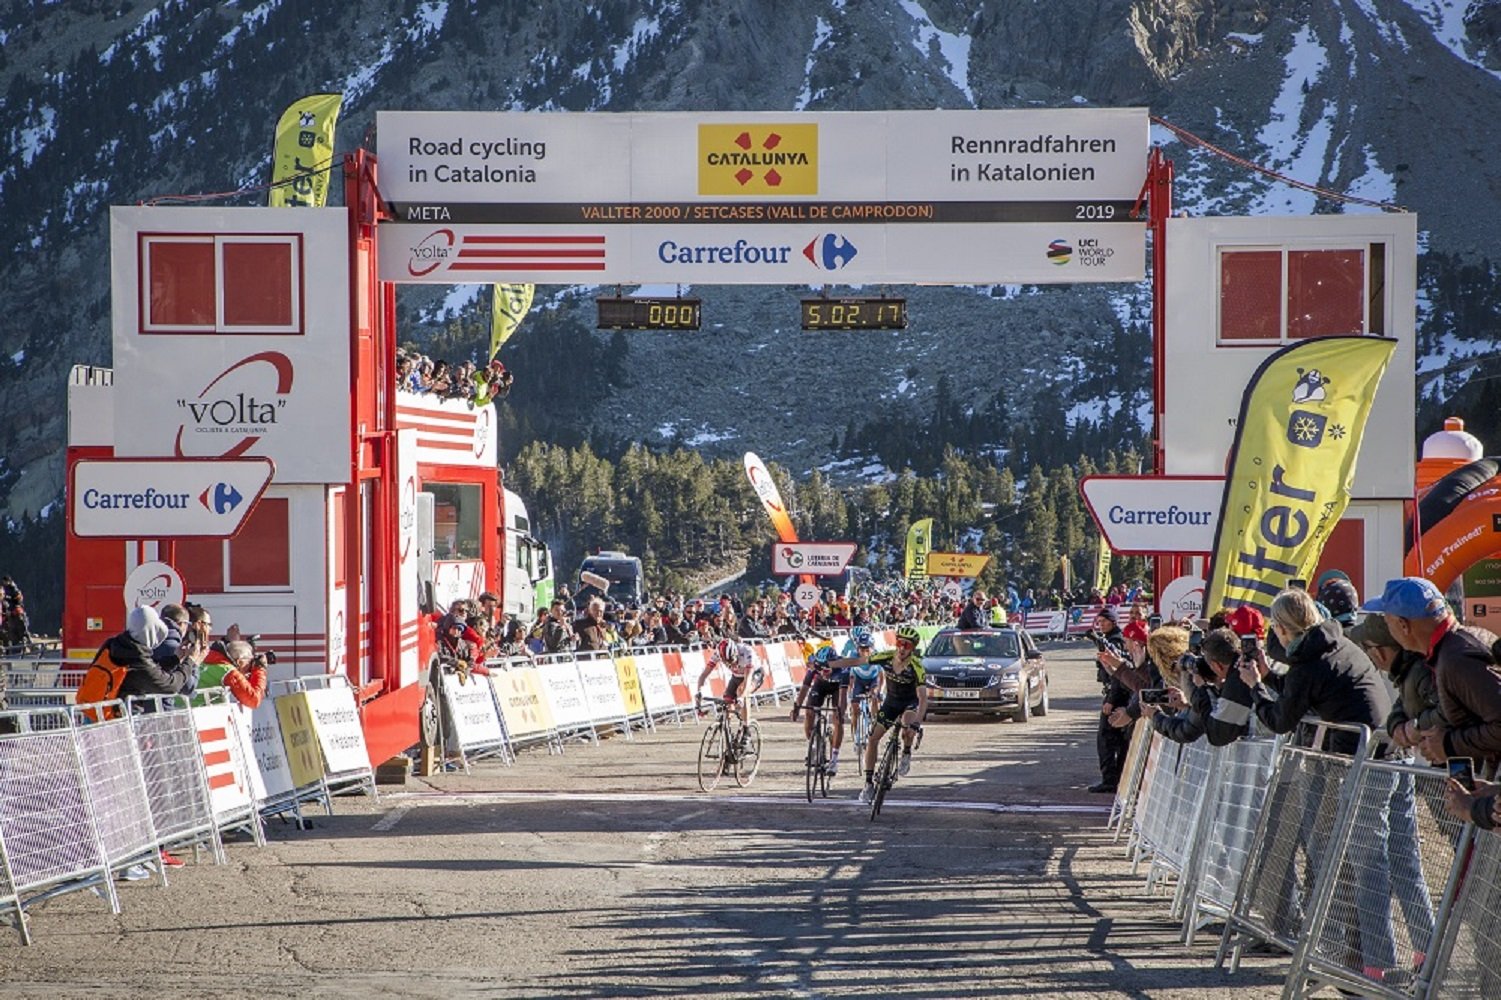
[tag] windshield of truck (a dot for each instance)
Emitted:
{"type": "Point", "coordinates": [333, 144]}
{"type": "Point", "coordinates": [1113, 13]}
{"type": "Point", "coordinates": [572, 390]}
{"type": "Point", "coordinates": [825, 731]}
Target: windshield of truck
{"type": "Point", "coordinates": [613, 570]}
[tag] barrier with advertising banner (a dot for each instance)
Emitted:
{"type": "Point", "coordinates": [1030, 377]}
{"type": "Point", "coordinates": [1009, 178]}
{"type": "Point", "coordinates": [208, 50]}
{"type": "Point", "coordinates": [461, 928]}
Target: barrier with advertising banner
{"type": "Point", "coordinates": [776, 662]}
{"type": "Point", "coordinates": [520, 692]}
{"type": "Point", "coordinates": [229, 788]}
{"type": "Point", "coordinates": [563, 694]}
{"type": "Point", "coordinates": [475, 730]}
{"type": "Point", "coordinates": [602, 691]}
{"type": "Point", "coordinates": [693, 661]}
{"type": "Point", "coordinates": [656, 689]}
{"type": "Point", "coordinates": [630, 689]}
{"type": "Point", "coordinates": [304, 759]}
{"type": "Point", "coordinates": [341, 738]}
{"type": "Point", "coordinates": [678, 679]}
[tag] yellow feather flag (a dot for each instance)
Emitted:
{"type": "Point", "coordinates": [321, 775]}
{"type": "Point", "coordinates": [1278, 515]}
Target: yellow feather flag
{"type": "Point", "coordinates": [302, 157]}
{"type": "Point", "coordinates": [919, 544]}
{"type": "Point", "coordinates": [508, 307]}
{"type": "Point", "coordinates": [1102, 567]}
{"type": "Point", "coordinates": [1301, 420]}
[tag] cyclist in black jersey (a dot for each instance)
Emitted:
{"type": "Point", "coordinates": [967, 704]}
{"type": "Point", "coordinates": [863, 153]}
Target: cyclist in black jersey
{"type": "Point", "coordinates": [906, 699]}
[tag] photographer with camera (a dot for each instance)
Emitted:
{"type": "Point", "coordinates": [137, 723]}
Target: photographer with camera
{"type": "Point", "coordinates": [1110, 743]}
{"type": "Point", "coordinates": [243, 672]}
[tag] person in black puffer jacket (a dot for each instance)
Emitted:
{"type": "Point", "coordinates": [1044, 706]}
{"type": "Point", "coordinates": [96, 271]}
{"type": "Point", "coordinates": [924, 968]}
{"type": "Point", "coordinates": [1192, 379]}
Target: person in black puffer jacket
{"type": "Point", "coordinates": [144, 631]}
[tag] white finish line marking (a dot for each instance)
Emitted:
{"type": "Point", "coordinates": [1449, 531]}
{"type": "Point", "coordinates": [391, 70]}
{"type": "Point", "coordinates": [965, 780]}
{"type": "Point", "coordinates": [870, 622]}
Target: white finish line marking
{"type": "Point", "coordinates": [478, 798]}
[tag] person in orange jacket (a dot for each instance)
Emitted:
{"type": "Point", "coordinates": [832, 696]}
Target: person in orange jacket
{"type": "Point", "coordinates": [240, 669]}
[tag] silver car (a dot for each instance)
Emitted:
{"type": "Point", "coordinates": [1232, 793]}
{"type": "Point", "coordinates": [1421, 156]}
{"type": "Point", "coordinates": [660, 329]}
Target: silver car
{"type": "Point", "coordinates": [993, 670]}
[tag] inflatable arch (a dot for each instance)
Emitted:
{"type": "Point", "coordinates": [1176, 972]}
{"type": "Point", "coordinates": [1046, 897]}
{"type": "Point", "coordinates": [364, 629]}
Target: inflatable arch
{"type": "Point", "coordinates": [1458, 523]}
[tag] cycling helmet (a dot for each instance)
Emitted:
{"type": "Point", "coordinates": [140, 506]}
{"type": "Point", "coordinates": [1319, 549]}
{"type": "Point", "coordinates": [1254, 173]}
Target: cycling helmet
{"type": "Point", "coordinates": [823, 654]}
{"type": "Point", "coordinates": [908, 633]}
{"type": "Point", "coordinates": [726, 649]}
{"type": "Point", "coordinates": [861, 635]}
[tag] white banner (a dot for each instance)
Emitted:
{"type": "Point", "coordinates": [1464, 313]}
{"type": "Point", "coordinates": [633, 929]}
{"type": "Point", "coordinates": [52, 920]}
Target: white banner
{"type": "Point", "coordinates": [565, 694]}
{"type": "Point", "coordinates": [340, 735]}
{"type": "Point", "coordinates": [229, 787]}
{"type": "Point", "coordinates": [776, 660]}
{"type": "Point", "coordinates": [764, 197]}
{"type": "Point", "coordinates": [602, 688]}
{"type": "Point", "coordinates": [231, 336]}
{"type": "Point", "coordinates": [656, 690]}
{"type": "Point", "coordinates": [270, 776]}
{"type": "Point", "coordinates": [1143, 515]}
{"type": "Point", "coordinates": [471, 709]}
{"type": "Point", "coordinates": [165, 498]}
{"type": "Point", "coordinates": [817, 558]}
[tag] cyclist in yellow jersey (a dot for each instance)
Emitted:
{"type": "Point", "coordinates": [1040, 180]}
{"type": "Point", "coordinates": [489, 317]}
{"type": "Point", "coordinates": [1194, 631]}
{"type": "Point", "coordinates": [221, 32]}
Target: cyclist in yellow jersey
{"type": "Point", "coordinates": [906, 699]}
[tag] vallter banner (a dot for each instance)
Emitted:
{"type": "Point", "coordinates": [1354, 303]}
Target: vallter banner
{"type": "Point", "coordinates": [508, 307]}
{"type": "Point", "coordinates": [919, 544]}
{"type": "Point", "coordinates": [303, 151]}
{"type": "Point", "coordinates": [1292, 464]}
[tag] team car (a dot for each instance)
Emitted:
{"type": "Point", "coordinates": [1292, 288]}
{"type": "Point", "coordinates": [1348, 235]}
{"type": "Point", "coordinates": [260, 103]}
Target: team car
{"type": "Point", "coordinates": [994, 670]}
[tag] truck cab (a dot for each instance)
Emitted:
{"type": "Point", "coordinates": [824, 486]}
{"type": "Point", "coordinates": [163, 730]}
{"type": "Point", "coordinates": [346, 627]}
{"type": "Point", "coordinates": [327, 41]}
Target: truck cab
{"type": "Point", "coordinates": [622, 572]}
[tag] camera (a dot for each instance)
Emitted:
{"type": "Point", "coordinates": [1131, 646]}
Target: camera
{"type": "Point", "coordinates": [1249, 644]}
{"type": "Point", "coordinates": [1296, 584]}
{"type": "Point", "coordinates": [1096, 638]}
{"type": "Point", "coordinates": [1154, 696]}
{"type": "Point", "coordinates": [1154, 622]}
{"type": "Point", "coordinates": [1195, 640]}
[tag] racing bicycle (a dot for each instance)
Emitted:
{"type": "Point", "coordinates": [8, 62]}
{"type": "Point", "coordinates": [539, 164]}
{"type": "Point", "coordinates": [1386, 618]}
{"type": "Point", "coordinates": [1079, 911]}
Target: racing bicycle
{"type": "Point", "coordinates": [816, 763]}
{"type": "Point", "coordinates": [885, 775]}
{"type": "Point", "coordinates": [862, 721]}
{"type": "Point", "coordinates": [728, 745]}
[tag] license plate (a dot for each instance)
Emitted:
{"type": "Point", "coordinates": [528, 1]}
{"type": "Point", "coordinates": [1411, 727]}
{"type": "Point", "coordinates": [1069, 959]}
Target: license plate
{"type": "Point", "coordinates": [961, 693]}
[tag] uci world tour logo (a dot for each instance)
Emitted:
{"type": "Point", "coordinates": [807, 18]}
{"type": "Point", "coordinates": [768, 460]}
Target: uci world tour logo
{"type": "Point", "coordinates": [238, 405]}
{"type": "Point", "coordinates": [1060, 253]}
{"type": "Point", "coordinates": [829, 252]}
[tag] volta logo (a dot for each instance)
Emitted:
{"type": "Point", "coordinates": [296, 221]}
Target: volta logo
{"type": "Point", "coordinates": [830, 252]}
{"type": "Point", "coordinates": [758, 159]}
{"type": "Point", "coordinates": [221, 498]}
{"type": "Point", "coordinates": [434, 250]}
{"type": "Point", "coordinates": [765, 489]}
{"type": "Point", "coordinates": [229, 405]}
{"type": "Point", "coordinates": [1059, 252]}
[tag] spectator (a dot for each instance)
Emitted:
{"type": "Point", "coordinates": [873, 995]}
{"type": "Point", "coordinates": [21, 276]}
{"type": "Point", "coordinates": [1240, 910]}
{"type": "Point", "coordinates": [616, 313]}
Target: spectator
{"type": "Point", "coordinates": [590, 627]}
{"type": "Point", "coordinates": [243, 673]}
{"type": "Point", "coordinates": [557, 633]}
{"type": "Point", "coordinates": [183, 646]}
{"type": "Point", "coordinates": [1167, 647]}
{"type": "Point", "coordinates": [1110, 742]}
{"type": "Point", "coordinates": [1221, 696]}
{"type": "Point", "coordinates": [1339, 597]}
{"type": "Point", "coordinates": [132, 649]}
{"type": "Point", "coordinates": [973, 616]}
{"type": "Point", "coordinates": [1469, 685]}
{"type": "Point", "coordinates": [675, 631]}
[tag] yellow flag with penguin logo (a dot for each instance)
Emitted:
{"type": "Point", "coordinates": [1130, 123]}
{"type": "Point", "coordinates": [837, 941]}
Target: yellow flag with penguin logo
{"type": "Point", "coordinates": [919, 544]}
{"type": "Point", "coordinates": [1102, 567]}
{"type": "Point", "coordinates": [302, 157]}
{"type": "Point", "coordinates": [508, 307]}
{"type": "Point", "coordinates": [1301, 421]}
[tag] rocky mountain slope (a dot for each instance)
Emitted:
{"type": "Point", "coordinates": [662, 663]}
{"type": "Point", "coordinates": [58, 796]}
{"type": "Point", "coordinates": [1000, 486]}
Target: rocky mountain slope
{"type": "Point", "coordinates": [115, 102]}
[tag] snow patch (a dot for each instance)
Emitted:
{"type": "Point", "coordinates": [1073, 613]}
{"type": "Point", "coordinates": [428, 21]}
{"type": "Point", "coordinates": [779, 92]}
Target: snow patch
{"type": "Point", "coordinates": [952, 49]}
{"type": "Point", "coordinates": [805, 96]}
{"type": "Point", "coordinates": [1295, 151]}
{"type": "Point", "coordinates": [40, 130]}
{"type": "Point", "coordinates": [1447, 19]}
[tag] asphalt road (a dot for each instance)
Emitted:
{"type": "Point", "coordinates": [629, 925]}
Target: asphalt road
{"type": "Point", "coordinates": [604, 872]}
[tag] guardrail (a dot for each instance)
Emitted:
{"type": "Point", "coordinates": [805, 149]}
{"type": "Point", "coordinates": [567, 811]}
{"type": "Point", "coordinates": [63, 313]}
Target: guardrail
{"type": "Point", "coordinates": [1347, 863]}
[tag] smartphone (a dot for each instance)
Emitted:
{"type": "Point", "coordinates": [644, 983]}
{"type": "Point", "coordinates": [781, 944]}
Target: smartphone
{"type": "Point", "coordinates": [1154, 696]}
{"type": "Point", "coordinates": [1155, 621]}
{"type": "Point", "coordinates": [1195, 640]}
{"type": "Point", "coordinates": [1099, 643]}
{"type": "Point", "coordinates": [1462, 770]}
{"type": "Point", "coordinates": [1248, 645]}
{"type": "Point", "coordinates": [1297, 584]}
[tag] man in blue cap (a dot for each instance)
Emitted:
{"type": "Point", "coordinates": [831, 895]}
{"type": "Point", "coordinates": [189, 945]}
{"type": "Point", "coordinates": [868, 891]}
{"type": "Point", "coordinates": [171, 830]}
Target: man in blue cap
{"type": "Point", "coordinates": [1469, 684]}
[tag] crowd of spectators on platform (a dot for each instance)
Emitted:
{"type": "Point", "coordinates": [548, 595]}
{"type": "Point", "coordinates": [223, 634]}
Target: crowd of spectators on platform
{"type": "Point", "coordinates": [421, 375]}
{"type": "Point", "coordinates": [15, 626]}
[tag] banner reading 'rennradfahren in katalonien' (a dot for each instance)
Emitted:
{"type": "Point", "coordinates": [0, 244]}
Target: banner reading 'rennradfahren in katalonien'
{"type": "Point", "coordinates": [303, 153]}
{"type": "Point", "coordinates": [508, 307]}
{"type": "Point", "coordinates": [1301, 420]}
{"type": "Point", "coordinates": [919, 544]}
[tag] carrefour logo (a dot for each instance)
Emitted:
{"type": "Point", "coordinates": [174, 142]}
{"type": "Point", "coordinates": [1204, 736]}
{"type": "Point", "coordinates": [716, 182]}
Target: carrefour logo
{"type": "Point", "coordinates": [739, 252]}
{"type": "Point", "coordinates": [830, 252]}
{"type": "Point", "coordinates": [221, 498]}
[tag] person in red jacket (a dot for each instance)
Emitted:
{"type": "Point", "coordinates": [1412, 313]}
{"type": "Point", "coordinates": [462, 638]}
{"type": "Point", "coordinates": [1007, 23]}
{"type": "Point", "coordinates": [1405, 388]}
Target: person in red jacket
{"type": "Point", "coordinates": [243, 672]}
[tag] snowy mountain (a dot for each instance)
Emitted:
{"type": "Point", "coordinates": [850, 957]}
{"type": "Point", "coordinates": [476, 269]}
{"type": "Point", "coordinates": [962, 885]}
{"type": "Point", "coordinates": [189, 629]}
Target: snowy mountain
{"type": "Point", "coordinates": [1392, 101]}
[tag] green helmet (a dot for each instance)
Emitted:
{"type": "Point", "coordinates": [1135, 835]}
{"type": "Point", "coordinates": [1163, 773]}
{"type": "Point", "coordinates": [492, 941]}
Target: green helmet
{"type": "Point", "coordinates": [908, 633]}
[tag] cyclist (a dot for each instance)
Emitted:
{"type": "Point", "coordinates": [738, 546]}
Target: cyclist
{"type": "Point", "coordinates": [820, 683]}
{"type": "Point", "coordinates": [906, 699]}
{"type": "Point", "coordinates": [740, 659]}
{"type": "Point", "coordinates": [865, 679]}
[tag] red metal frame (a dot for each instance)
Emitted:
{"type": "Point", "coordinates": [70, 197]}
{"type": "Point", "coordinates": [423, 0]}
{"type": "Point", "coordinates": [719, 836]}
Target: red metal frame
{"type": "Point", "coordinates": [1157, 192]}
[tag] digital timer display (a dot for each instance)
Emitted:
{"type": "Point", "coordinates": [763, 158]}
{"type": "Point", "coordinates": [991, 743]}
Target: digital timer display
{"type": "Point", "coordinates": [854, 314]}
{"type": "Point", "coordinates": [648, 314]}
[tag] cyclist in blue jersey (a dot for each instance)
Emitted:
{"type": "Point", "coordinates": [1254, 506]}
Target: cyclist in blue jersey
{"type": "Point", "coordinates": [823, 682]}
{"type": "Point", "coordinates": [865, 679]}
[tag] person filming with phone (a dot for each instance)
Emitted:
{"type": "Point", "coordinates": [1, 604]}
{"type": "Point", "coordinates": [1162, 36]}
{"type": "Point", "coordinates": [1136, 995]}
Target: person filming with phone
{"type": "Point", "coordinates": [1110, 742]}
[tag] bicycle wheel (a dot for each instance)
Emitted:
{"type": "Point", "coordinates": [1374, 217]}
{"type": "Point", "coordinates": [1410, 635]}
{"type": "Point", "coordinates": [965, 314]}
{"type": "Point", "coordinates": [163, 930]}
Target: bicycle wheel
{"type": "Point", "coordinates": [749, 759]}
{"type": "Point", "coordinates": [814, 761]}
{"type": "Point", "coordinates": [862, 726]}
{"type": "Point", "coordinates": [823, 772]}
{"type": "Point", "coordinates": [711, 758]}
{"type": "Point", "coordinates": [885, 775]}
